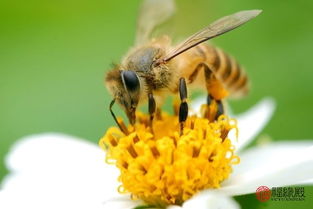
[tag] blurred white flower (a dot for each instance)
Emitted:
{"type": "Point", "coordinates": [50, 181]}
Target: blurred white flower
{"type": "Point", "coordinates": [59, 171]}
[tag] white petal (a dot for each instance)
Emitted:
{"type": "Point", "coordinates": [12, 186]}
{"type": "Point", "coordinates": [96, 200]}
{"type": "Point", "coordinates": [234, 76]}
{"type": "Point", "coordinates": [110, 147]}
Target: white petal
{"type": "Point", "coordinates": [174, 207]}
{"type": "Point", "coordinates": [50, 150]}
{"type": "Point", "coordinates": [251, 122]}
{"type": "Point", "coordinates": [122, 203]}
{"type": "Point", "coordinates": [196, 105]}
{"type": "Point", "coordinates": [308, 182]}
{"type": "Point", "coordinates": [209, 200]}
{"type": "Point", "coordinates": [277, 164]}
{"type": "Point", "coordinates": [57, 171]}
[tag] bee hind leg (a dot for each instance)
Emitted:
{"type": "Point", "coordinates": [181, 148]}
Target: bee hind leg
{"type": "Point", "coordinates": [218, 107]}
{"type": "Point", "coordinates": [216, 92]}
{"type": "Point", "coordinates": [183, 108]}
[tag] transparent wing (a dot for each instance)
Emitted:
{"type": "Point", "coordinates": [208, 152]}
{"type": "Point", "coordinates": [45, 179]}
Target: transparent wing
{"type": "Point", "coordinates": [217, 28]}
{"type": "Point", "coordinates": [152, 13]}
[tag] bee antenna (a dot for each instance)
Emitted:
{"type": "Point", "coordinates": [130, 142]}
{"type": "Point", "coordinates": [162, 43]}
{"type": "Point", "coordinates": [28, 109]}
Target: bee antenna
{"type": "Point", "coordinates": [113, 115]}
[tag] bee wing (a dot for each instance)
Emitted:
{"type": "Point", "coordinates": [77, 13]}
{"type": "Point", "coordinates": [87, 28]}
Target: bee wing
{"type": "Point", "coordinates": [152, 13]}
{"type": "Point", "coordinates": [217, 28]}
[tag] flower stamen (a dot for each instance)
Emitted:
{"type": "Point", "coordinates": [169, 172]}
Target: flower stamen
{"type": "Point", "coordinates": [164, 167]}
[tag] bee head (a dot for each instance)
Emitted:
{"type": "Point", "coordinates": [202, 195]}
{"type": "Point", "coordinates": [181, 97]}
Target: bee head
{"type": "Point", "coordinates": [124, 85]}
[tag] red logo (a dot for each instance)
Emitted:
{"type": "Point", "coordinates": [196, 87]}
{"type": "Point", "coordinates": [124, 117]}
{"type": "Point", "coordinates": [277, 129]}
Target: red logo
{"type": "Point", "coordinates": [263, 193]}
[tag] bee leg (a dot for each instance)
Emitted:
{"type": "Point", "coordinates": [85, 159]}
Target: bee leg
{"type": "Point", "coordinates": [120, 124]}
{"type": "Point", "coordinates": [219, 106]}
{"type": "Point", "coordinates": [216, 92]}
{"type": "Point", "coordinates": [183, 108]}
{"type": "Point", "coordinates": [158, 114]}
{"type": "Point", "coordinates": [220, 109]}
{"type": "Point", "coordinates": [152, 108]}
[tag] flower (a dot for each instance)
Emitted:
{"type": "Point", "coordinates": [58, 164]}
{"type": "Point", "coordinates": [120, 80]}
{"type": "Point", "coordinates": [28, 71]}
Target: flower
{"type": "Point", "coordinates": [163, 167]}
{"type": "Point", "coordinates": [60, 171]}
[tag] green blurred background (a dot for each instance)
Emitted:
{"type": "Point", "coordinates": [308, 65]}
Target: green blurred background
{"type": "Point", "coordinates": [53, 56]}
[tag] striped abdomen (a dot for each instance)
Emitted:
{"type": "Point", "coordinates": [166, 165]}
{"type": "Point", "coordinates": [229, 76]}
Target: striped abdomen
{"type": "Point", "coordinates": [224, 67]}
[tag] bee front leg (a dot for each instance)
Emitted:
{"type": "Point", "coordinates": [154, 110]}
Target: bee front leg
{"type": "Point", "coordinates": [152, 108]}
{"type": "Point", "coordinates": [183, 108]}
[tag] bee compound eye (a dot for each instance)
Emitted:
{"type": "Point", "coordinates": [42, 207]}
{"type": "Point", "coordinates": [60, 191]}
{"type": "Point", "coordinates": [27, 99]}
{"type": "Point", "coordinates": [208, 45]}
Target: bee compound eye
{"type": "Point", "coordinates": [130, 80]}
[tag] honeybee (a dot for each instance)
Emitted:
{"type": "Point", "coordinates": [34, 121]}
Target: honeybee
{"type": "Point", "coordinates": [154, 68]}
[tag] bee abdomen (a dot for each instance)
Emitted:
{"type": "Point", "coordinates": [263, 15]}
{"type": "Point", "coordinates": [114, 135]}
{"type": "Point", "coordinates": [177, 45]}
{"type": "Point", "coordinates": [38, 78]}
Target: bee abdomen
{"type": "Point", "coordinates": [226, 69]}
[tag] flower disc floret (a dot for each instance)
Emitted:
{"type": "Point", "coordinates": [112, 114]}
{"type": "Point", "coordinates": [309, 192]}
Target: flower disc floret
{"type": "Point", "coordinates": [164, 167]}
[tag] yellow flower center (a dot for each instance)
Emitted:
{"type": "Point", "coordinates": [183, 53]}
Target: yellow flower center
{"type": "Point", "coordinates": [163, 167]}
